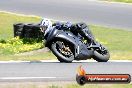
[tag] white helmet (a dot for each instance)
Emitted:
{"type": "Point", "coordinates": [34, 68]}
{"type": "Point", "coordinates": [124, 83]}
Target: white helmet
{"type": "Point", "coordinates": [46, 23]}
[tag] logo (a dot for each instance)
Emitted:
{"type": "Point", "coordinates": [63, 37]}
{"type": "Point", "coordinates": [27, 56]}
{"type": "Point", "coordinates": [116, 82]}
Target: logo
{"type": "Point", "coordinates": [83, 78]}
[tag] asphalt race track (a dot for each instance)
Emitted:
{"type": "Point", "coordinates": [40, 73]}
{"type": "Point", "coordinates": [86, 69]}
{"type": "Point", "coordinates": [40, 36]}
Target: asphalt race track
{"type": "Point", "coordinates": [91, 12]}
{"type": "Point", "coordinates": [56, 71]}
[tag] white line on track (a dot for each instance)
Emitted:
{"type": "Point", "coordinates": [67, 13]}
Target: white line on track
{"type": "Point", "coordinates": [21, 78]}
{"type": "Point", "coordinates": [28, 78]}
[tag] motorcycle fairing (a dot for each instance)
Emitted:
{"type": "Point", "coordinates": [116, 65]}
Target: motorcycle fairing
{"type": "Point", "coordinates": [80, 49]}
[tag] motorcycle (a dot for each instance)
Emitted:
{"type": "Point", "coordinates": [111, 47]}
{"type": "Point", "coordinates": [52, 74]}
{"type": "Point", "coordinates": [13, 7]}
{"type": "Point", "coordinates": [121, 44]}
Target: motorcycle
{"type": "Point", "coordinates": [68, 47]}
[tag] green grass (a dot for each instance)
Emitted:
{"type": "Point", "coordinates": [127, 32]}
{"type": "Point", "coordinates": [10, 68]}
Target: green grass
{"type": "Point", "coordinates": [100, 86]}
{"type": "Point", "coordinates": [126, 1]}
{"type": "Point", "coordinates": [31, 57]}
{"type": "Point", "coordinates": [118, 41]}
{"type": "Point", "coordinates": [14, 45]}
{"type": "Point", "coordinates": [7, 21]}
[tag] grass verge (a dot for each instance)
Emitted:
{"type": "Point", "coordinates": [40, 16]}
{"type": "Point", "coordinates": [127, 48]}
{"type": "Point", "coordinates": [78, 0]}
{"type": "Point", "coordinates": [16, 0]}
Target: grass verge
{"type": "Point", "coordinates": [118, 41]}
{"type": "Point", "coordinates": [126, 1]}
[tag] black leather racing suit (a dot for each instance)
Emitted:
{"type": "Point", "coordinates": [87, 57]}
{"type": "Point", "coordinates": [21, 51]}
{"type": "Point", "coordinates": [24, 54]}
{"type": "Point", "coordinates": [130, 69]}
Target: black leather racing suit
{"type": "Point", "coordinates": [83, 30]}
{"type": "Point", "coordinates": [78, 28]}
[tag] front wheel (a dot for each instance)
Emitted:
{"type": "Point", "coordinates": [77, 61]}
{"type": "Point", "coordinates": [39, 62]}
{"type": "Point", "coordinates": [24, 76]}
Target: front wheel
{"type": "Point", "coordinates": [63, 50]}
{"type": "Point", "coordinates": [101, 54]}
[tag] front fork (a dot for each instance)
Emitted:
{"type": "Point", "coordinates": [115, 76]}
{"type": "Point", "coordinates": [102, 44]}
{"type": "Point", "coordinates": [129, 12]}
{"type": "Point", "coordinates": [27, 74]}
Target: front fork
{"type": "Point", "coordinates": [95, 46]}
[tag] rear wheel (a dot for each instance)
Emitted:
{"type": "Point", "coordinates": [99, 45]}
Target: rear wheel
{"type": "Point", "coordinates": [63, 50]}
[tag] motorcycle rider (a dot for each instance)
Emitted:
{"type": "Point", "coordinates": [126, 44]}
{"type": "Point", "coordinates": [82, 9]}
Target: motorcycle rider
{"type": "Point", "coordinates": [81, 28]}
{"type": "Point", "coordinates": [46, 26]}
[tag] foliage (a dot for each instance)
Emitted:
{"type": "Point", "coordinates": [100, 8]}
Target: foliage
{"type": "Point", "coordinates": [16, 45]}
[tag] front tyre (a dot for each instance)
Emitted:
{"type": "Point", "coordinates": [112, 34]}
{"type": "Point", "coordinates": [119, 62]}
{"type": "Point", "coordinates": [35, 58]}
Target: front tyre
{"type": "Point", "coordinates": [101, 54]}
{"type": "Point", "coordinates": [63, 51]}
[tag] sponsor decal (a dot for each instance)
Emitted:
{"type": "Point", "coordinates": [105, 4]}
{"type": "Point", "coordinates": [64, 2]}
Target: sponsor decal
{"type": "Point", "coordinates": [82, 77]}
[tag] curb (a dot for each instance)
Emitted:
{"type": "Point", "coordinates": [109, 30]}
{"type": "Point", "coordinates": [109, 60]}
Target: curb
{"type": "Point", "coordinates": [19, 14]}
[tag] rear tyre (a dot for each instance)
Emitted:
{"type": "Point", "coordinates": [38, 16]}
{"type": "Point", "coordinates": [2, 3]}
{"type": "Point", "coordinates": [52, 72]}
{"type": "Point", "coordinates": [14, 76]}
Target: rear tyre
{"type": "Point", "coordinates": [59, 50]}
